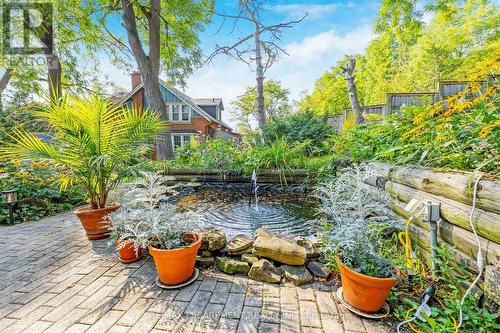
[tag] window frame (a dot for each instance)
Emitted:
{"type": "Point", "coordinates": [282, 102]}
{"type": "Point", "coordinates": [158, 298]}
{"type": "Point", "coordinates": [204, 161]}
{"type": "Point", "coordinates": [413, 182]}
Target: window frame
{"type": "Point", "coordinates": [170, 109]}
{"type": "Point", "coordinates": [182, 137]}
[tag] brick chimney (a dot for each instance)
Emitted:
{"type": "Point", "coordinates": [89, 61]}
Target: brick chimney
{"type": "Point", "coordinates": [136, 79]}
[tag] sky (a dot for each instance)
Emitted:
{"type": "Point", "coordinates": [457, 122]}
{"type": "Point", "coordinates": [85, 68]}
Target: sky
{"type": "Point", "coordinates": [331, 30]}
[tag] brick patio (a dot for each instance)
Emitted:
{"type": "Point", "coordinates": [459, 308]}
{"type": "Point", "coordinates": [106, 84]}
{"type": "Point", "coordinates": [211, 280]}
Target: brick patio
{"type": "Point", "coordinates": [52, 279]}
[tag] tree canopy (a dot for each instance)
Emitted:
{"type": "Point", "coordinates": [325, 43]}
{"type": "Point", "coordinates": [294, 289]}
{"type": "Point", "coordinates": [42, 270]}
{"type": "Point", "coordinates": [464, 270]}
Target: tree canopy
{"type": "Point", "coordinates": [410, 55]}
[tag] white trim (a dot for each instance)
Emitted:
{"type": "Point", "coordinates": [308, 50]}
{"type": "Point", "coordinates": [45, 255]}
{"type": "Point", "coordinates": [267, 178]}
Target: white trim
{"type": "Point", "coordinates": [172, 135]}
{"type": "Point", "coordinates": [170, 113]}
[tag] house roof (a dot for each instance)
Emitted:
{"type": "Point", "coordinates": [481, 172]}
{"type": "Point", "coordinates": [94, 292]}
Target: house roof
{"type": "Point", "coordinates": [209, 102]}
{"type": "Point", "coordinates": [183, 97]}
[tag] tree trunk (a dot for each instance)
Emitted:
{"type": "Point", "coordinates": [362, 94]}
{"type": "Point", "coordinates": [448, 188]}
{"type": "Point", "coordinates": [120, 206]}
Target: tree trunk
{"type": "Point", "coordinates": [260, 79]}
{"type": "Point", "coordinates": [351, 90]}
{"type": "Point", "coordinates": [4, 81]}
{"type": "Point", "coordinates": [149, 65]}
{"type": "Point", "coordinates": [54, 77]}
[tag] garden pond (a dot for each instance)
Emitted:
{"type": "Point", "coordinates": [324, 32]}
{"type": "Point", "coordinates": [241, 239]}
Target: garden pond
{"type": "Point", "coordinates": [233, 208]}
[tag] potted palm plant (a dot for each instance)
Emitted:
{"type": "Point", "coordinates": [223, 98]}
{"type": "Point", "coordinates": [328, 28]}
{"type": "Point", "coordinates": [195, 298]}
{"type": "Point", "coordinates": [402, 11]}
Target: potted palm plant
{"type": "Point", "coordinates": [97, 142]}
{"type": "Point", "coordinates": [154, 224]}
{"type": "Point", "coordinates": [357, 216]}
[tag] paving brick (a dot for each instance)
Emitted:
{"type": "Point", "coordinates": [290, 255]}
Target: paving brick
{"type": "Point", "coordinates": [135, 312]}
{"type": "Point", "coordinates": [22, 324]}
{"type": "Point", "coordinates": [309, 315]}
{"type": "Point", "coordinates": [198, 303]}
{"type": "Point", "coordinates": [59, 312]}
{"type": "Point", "coordinates": [169, 319]}
{"type": "Point", "coordinates": [210, 318]}
{"type": "Point", "coordinates": [269, 328]}
{"type": "Point", "coordinates": [233, 306]}
{"type": "Point", "coordinates": [106, 321]}
{"type": "Point", "coordinates": [250, 319]}
{"type": "Point", "coordinates": [146, 323]}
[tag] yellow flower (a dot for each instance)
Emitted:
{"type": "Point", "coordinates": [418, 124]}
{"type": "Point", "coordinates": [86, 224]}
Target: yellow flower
{"type": "Point", "coordinates": [486, 130]}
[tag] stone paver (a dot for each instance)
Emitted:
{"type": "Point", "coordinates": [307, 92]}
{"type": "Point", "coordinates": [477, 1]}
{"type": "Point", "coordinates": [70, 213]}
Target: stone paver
{"type": "Point", "coordinates": [52, 279]}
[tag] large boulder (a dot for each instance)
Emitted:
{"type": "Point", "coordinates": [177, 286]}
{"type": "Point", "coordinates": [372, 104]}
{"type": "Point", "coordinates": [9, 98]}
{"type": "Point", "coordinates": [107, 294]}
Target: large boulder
{"type": "Point", "coordinates": [213, 239]}
{"type": "Point", "coordinates": [239, 244]}
{"type": "Point", "coordinates": [298, 275]}
{"type": "Point", "coordinates": [264, 270]}
{"type": "Point", "coordinates": [232, 266]}
{"type": "Point", "coordinates": [279, 248]}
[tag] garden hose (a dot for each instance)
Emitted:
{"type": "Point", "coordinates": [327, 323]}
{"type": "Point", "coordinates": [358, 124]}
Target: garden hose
{"type": "Point", "coordinates": [405, 240]}
{"type": "Point", "coordinates": [480, 259]}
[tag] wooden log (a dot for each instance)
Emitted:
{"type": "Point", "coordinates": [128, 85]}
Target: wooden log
{"type": "Point", "coordinates": [462, 239]}
{"type": "Point", "coordinates": [457, 186]}
{"type": "Point", "coordinates": [487, 223]}
{"type": "Point", "coordinates": [260, 173]}
{"type": "Point", "coordinates": [231, 179]}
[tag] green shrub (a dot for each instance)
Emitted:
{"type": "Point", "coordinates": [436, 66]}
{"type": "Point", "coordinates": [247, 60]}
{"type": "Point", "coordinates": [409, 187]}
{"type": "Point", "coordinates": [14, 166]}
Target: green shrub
{"type": "Point", "coordinates": [36, 179]}
{"type": "Point", "coordinates": [299, 128]}
{"type": "Point", "coordinates": [465, 140]}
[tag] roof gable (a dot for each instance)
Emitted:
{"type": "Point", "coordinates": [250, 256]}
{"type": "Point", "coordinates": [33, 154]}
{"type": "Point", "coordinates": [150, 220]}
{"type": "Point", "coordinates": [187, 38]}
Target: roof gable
{"type": "Point", "coordinates": [181, 96]}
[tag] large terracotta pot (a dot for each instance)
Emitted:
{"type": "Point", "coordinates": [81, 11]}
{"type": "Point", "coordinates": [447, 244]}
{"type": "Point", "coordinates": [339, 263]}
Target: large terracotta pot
{"type": "Point", "coordinates": [94, 222]}
{"type": "Point", "coordinates": [177, 265]}
{"type": "Point", "coordinates": [364, 292]}
{"type": "Point", "coordinates": [127, 252]}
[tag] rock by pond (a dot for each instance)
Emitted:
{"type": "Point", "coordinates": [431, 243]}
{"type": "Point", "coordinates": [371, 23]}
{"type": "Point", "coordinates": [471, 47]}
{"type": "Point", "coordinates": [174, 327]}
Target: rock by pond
{"type": "Point", "coordinates": [213, 239]}
{"type": "Point", "coordinates": [278, 248]}
{"type": "Point", "coordinates": [232, 266]}
{"type": "Point", "coordinates": [298, 275]}
{"type": "Point", "coordinates": [239, 245]}
{"type": "Point", "coordinates": [264, 270]}
{"type": "Point", "coordinates": [318, 269]}
{"type": "Point", "coordinates": [249, 258]}
{"type": "Point", "coordinates": [205, 261]}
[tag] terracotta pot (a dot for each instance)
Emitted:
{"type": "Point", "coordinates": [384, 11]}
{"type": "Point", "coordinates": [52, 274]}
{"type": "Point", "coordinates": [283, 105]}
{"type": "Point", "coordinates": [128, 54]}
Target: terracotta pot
{"type": "Point", "coordinates": [364, 292]}
{"type": "Point", "coordinates": [177, 265]}
{"type": "Point", "coordinates": [127, 253]}
{"type": "Point", "coordinates": [94, 222]}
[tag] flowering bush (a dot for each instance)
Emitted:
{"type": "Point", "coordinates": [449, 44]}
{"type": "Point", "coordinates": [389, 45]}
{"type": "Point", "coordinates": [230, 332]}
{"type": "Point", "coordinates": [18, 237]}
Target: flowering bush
{"type": "Point", "coordinates": [145, 219]}
{"type": "Point", "coordinates": [37, 192]}
{"type": "Point", "coordinates": [463, 133]}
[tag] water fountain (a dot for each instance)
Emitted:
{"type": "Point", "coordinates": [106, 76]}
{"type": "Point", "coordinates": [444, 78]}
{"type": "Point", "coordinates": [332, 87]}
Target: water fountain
{"type": "Point", "coordinates": [254, 191]}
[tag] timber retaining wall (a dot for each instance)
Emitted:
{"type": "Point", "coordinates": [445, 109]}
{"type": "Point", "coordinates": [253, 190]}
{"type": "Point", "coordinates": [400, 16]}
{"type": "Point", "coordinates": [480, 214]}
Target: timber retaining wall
{"type": "Point", "coordinates": [454, 192]}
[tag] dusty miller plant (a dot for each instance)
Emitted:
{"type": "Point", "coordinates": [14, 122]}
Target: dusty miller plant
{"type": "Point", "coordinates": [146, 219]}
{"type": "Point", "coordinates": [356, 216]}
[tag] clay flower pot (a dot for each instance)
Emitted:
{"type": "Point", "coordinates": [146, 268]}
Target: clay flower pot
{"type": "Point", "coordinates": [177, 265]}
{"type": "Point", "coordinates": [364, 292]}
{"type": "Point", "coordinates": [94, 221]}
{"type": "Point", "coordinates": [127, 252]}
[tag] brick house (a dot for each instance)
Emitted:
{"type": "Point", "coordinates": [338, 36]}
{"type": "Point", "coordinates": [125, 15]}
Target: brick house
{"type": "Point", "coordinates": [188, 117]}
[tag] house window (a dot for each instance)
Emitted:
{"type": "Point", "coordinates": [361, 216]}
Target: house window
{"type": "Point", "coordinates": [175, 112]}
{"type": "Point", "coordinates": [185, 112]}
{"type": "Point", "coordinates": [179, 140]}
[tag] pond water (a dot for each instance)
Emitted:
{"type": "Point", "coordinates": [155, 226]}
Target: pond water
{"type": "Point", "coordinates": [286, 213]}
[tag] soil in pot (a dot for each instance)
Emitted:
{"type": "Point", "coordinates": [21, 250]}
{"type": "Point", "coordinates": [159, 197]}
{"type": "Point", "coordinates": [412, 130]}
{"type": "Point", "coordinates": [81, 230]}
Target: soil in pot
{"type": "Point", "coordinates": [127, 252]}
{"type": "Point", "coordinates": [364, 292]}
{"type": "Point", "coordinates": [177, 265]}
{"type": "Point", "coordinates": [94, 221]}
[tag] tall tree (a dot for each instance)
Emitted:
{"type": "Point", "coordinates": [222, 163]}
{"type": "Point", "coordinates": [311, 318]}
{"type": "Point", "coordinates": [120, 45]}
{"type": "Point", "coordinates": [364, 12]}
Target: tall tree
{"type": "Point", "coordinates": [348, 71]}
{"type": "Point", "coordinates": [276, 104]}
{"type": "Point", "coordinates": [259, 49]}
{"type": "Point", "coordinates": [149, 63]}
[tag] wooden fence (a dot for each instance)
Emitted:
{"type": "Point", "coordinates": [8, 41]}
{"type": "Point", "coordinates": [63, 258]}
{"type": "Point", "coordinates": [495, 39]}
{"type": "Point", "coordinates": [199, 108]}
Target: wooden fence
{"type": "Point", "coordinates": [453, 190]}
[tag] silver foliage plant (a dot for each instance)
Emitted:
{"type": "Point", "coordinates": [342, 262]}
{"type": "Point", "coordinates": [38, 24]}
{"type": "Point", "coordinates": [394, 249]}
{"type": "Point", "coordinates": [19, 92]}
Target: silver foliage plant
{"type": "Point", "coordinates": [145, 218]}
{"type": "Point", "coordinates": [356, 216]}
